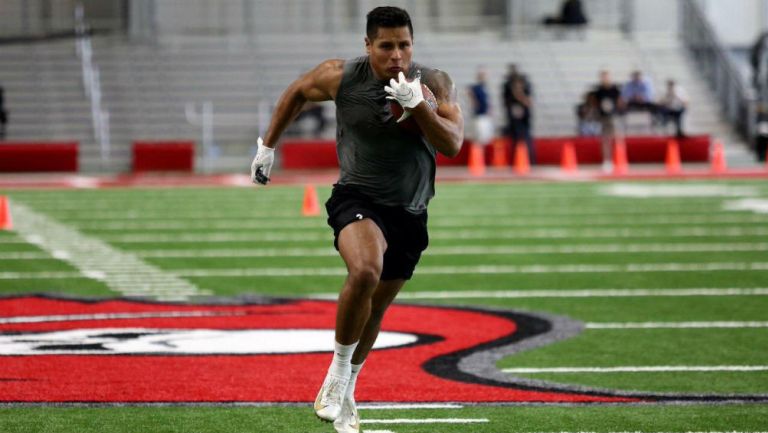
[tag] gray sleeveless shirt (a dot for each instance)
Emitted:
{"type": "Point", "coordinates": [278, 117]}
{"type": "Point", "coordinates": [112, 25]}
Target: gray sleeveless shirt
{"type": "Point", "coordinates": [379, 158]}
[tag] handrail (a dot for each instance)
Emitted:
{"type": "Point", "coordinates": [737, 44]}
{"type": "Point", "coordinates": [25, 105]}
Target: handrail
{"type": "Point", "coordinates": [92, 85]}
{"type": "Point", "coordinates": [738, 100]}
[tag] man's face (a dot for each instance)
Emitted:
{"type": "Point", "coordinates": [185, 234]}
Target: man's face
{"type": "Point", "coordinates": [605, 78]}
{"type": "Point", "coordinates": [390, 52]}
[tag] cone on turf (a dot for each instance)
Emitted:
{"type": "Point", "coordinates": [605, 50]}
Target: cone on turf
{"type": "Point", "coordinates": [718, 164]}
{"type": "Point", "coordinates": [620, 162]}
{"type": "Point", "coordinates": [500, 158]}
{"type": "Point", "coordinates": [522, 161]}
{"type": "Point", "coordinates": [5, 214]}
{"type": "Point", "coordinates": [476, 162]}
{"type": "Point", "coordinates": [673, 157]}
{"type": "Point", "coordinates": [311, 205]}
{"type": "Point", "coordinates": [568, 161]}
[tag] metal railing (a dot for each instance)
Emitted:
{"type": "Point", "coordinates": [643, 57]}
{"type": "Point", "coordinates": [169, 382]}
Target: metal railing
{"type": "Point", "coordinates": [92, 86]}
{"type": "Point", "coordinates": [737, 98]}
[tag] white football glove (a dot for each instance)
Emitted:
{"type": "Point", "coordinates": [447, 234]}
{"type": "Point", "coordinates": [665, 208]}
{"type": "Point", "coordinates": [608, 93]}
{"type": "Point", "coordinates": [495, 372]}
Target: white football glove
{"type": "Point", "coordinates": [407, 93]}
{"type": "Point", "coordinates": [262, 163]}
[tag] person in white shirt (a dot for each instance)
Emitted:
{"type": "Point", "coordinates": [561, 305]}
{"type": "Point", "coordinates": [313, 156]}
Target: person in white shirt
{"type": "Point", "coordinates": [672, 106]}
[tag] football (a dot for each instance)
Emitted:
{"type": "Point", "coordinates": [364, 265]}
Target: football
{"type": "Point", "coordinates": [409, 123]}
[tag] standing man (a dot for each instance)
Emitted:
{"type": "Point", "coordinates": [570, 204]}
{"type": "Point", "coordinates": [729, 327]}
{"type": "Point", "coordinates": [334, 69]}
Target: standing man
{"type": "Point", "coordinates": [3, 114]}
{"type": "Point", "coordinates": [518, 104]}
{"type": "Point", "coordinates": [609, 104]}
{"type": "Point", "coordinates": [378, 207]}
{"type": "Point", "coordinates": [483, 130]}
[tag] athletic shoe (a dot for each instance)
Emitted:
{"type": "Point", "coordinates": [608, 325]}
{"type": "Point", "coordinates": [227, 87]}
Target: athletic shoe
{"type": "Point", "coordinates": [329, 399]}
{"type": "Point", "coordinates": [349, 420]}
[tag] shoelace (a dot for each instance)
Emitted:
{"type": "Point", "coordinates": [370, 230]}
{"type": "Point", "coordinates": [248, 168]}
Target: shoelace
{"type": "Point", "coordinates": [331, 395]}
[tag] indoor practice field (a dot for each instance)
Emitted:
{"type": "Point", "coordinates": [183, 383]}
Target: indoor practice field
{"type": "Point", "coordinates": [630, 306]}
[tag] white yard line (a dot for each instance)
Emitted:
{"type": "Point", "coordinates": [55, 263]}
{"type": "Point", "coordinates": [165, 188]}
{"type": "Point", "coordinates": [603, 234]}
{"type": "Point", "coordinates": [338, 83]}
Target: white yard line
{"type": "Point", "coordinates": [588, 293]}
{"type": "Point", "coordinates": [469, 250]}
{"type": "Point", "coordinates": [554, 233]}
{"type": "Point", "coordinates": [488, 269]}
{"type": "Point", "coordinates": [406, 406]}
{"type": "Point", "coordinates": [638, 369]}
{"type": "Point", "coordinates": [675, 325]}
{"type": "Point", "coordinates": [443, 222]}
{"type": "Point", "coordinates": [128, 272]}
{"type": "Point", "coordinates": [122, 272]}
{"type": "Point", "coordinates": [426, 421]}
{"type": "Point", "coordinates": [79, 214]}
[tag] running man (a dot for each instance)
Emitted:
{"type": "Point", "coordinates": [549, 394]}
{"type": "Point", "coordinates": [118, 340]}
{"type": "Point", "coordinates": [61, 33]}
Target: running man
{"type": "Point", "coordinates": [378, 207]}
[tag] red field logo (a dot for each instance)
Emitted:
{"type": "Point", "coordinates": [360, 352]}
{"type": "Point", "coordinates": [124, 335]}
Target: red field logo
{"type": "Point", "coordinates": [64, 350]}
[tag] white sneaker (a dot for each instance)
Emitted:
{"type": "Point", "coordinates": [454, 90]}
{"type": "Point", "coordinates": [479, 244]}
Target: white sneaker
{"type": "Point", "coordinates": [329, 399]}
{"type": "Point", "coordinates": [349, 420]}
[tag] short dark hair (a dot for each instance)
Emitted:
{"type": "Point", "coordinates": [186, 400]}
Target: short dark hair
{"type": "Point", "coordinates": [388, 17]}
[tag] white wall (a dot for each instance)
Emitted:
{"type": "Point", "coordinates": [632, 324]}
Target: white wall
{"type": "Point", "coordinates": [656, 16]}
{"type": "Point", "coordinates": [737, 22]}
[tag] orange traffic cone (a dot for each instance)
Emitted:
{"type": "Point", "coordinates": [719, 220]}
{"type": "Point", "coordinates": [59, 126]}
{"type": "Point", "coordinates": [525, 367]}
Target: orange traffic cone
{"type": "Point", "coordinates": [500, 158]}
{"type": "Point", "coordinates": [673, 157]}
{"type": "Point", "coordinates": [476, 161]}
{"type": "Point", "coordinates": [718, 158]}
{"type": "Point", "coordinates": [522, 161]}
{"type": "Point", "coordinates": [620, 163]}
{"type": "Point", "coordinates": [5, 214]}
{"type": "Point", "coordinates": [311, 205]}
{"type": "Point", "coordinates": [568, 161]}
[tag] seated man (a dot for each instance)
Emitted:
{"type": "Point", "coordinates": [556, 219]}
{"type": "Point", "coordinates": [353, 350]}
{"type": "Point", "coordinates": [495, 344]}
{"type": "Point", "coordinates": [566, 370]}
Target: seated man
{"type": "Point", "coordinates": [672, 105]}
{"type": "Point", "coordinates": [637, 93]}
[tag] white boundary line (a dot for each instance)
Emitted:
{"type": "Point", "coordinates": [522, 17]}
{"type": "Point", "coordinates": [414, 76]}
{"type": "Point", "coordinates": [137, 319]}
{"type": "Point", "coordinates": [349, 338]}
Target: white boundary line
{"type": "Point", "coordinates": [138, 275]}
{"type": "Point", "coordinates": [675, 325]}
{"type": "Point", "coordinates": [469, 250]}
{"type": "Point", "coordinates": [407, 406]}
{"type": "Point", "coordinates": [553, 233]}
{"type": "Point", "coordinates": [638, 369]}
{"type": "Point", "coordinates": [446, 222]}
{"type": "Point", "coordinates": [426, 421]}
{"type": "Point", "coordinates": [586, 293]}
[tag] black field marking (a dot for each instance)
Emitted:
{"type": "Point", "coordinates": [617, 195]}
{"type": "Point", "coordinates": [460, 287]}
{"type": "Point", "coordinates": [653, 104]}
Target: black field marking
{"type": "Point", "coordinates": [474, 365]}
{"type": "Point", "coordinates": [478, 364]}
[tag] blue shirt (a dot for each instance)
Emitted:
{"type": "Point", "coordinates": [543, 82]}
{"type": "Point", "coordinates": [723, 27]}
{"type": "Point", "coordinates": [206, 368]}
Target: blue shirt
{"type": "Point", "coordinates": [481, 98]}
{"type": "Point", "coordinates": [634, 90]}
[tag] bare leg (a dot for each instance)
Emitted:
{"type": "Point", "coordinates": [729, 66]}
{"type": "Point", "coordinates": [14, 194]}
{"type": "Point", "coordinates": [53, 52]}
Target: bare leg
{"type": "Point", "coordinates": [383, 296]}
{"type": "Point", "coordinates": [362, 247]}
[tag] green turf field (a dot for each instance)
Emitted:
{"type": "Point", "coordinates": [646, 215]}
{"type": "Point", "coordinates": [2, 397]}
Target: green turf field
{"type": "Point", "coordinates": [670, 280]}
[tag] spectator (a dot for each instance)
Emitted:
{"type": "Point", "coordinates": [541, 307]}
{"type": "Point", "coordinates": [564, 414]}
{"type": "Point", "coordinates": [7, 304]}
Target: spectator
{"type": "Point", "coordinates": [482, 124]}
{"type": "Point", "coordinates": [757, 57]}
{"type": "Point", "coordinates": [588, 115]}
{"type": "Point", "coordinates": [637, 93]}
{"type": "Point", "coordinates": [761, 134]}
{"type": "Point", "coordinates": [672, 106]}
{"type": "Point", "coordinates": [571, 14]}
{"type": "Point", "coordinates": [3, 114]}
{"type": "Point", "coordinates": [512, 74]}
{"type": "Point", "coordinates": [609, 104]}
{"type": "Point", "coordinates": [518, 105]}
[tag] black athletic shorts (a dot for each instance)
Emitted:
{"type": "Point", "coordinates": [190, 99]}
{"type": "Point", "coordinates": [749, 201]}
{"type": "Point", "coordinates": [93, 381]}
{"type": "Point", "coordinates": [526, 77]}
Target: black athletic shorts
{"type": "Point", "coordinates": [406, 233]}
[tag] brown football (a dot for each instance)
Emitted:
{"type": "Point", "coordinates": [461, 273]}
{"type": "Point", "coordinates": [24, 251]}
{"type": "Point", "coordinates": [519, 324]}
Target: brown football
{"type": "Point", "coordinates": [410, 123]}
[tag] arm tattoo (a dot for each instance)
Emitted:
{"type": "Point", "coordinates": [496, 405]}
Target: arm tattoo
{"type": "Point", "coordinates": [441, 86]}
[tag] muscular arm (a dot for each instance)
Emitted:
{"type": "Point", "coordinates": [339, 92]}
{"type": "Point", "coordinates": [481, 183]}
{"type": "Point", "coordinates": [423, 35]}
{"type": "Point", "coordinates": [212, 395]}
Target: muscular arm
{"type": "Point", "coordinates": [319, 84]}
{"type": "Point", "coordinates": [443, 128]}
